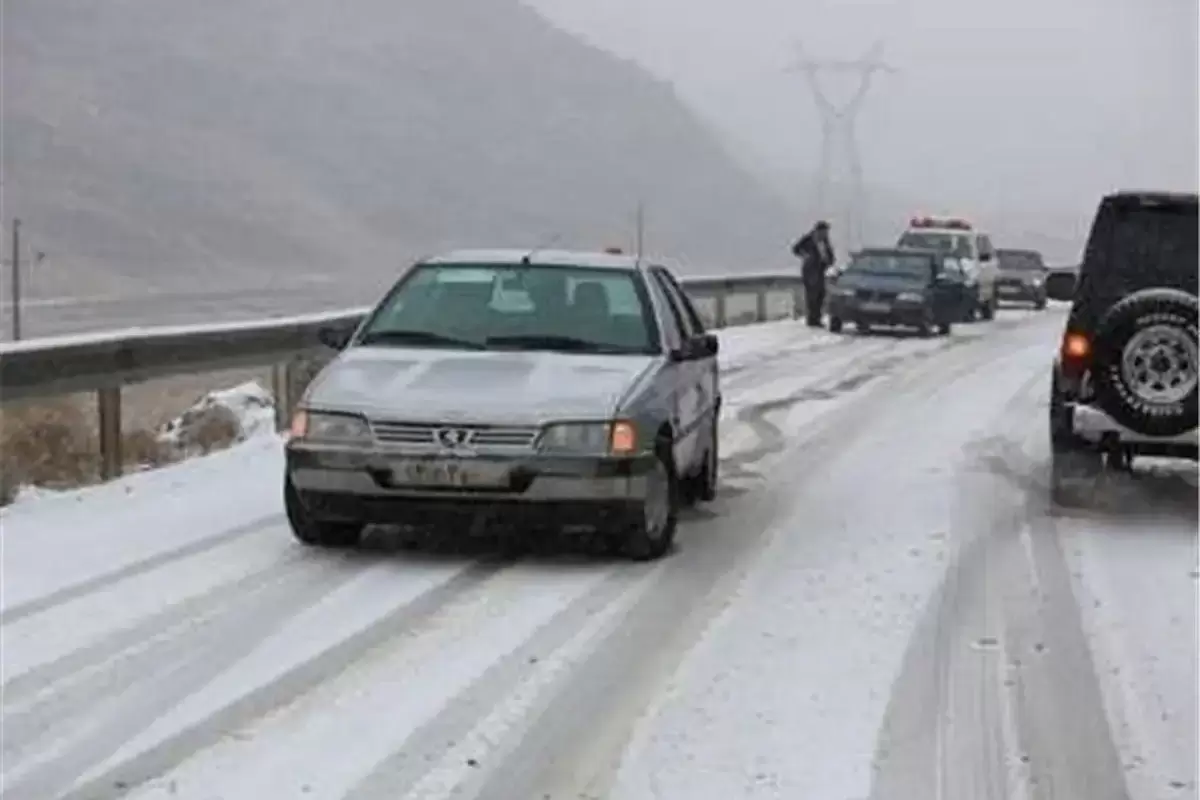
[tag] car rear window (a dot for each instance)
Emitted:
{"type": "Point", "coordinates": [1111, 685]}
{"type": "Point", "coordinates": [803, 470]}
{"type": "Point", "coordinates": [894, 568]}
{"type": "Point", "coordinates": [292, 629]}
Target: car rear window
{"type": "Point", "coordinates": [1019, 261]}
{"type": "Point", "coordinates": [1138, 245]}
{"type": "Point", "coordinates": [953, 244]}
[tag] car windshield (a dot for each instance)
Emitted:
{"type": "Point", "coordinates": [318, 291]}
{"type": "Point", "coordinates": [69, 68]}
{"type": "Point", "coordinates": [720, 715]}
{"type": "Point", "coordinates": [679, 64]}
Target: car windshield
{"type": "Point", "coordinates": [515, 307]}
{"type": "Point", "coordinates": [1016, 261]}
{"type": "Point", "coordinates": [952, 244]}
{"type": "Point", "coordinates": [899, 264]}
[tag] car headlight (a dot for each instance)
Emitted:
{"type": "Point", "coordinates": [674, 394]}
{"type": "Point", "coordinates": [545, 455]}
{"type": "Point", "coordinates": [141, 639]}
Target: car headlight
{"type": "Point", "coordinates": [910, 297]}
{"type": "Point", "coordinates": [330, 427]}
{"type": "Point", "coordinates": [590, 438]}
{"type": "Point", "coordinates": [1035, 282]}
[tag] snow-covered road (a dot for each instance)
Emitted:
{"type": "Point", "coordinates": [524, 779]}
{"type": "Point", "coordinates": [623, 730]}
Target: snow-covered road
{"type": "Point", "coordinates": [878, 605]}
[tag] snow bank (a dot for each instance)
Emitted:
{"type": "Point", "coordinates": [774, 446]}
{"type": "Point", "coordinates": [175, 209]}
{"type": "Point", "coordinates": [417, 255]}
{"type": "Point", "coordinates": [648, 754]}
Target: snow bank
{"type": "Point", "coordinates": [248, 407]}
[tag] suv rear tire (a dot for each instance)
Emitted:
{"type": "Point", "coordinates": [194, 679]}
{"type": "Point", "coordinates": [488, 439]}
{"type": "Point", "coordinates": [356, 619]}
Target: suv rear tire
{"type": "Point", "coordinates": [1146, 362]}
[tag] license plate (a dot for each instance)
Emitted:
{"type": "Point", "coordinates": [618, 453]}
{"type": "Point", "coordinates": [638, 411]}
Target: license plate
{"type": "Point", "coordinates": [449, 474]}
{"type": "Point", "coordinates": [1010, 290]}
{"type": "Point", "coordinates": [877, 308]}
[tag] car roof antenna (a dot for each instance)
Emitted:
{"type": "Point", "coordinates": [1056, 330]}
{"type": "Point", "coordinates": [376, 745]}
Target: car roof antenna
{"type": "Point", "coordinates": [550, 242]}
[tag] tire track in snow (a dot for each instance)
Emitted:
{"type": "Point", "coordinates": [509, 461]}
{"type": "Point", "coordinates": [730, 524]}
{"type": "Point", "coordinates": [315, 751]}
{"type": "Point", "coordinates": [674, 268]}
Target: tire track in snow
{"type": "Point", "coordinates": [101, 582]}
{"type": "Point", "coordinates": [39, 702]}
{"type": "Point", "coordinates": [396, 775]}
{"type": "Point", "coordinates": [962, 722]}
{"type": "Point", "coordinates": [129, 689]}
{"type": "Point", "coordinates": [299, 679]}
{"type": "Point", "coordinates": [572, 745]}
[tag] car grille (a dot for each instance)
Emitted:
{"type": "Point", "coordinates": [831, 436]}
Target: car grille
{"type": "Point", "coordinates": [866, 295]}
{"type": "Point", "coordinates": [1015, 282]}
{"type": "Point", "coordinates": [480, 435]}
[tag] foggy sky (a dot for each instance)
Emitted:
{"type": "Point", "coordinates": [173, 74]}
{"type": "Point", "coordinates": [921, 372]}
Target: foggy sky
{"type": "Point", "coordinates": [1023, 109]}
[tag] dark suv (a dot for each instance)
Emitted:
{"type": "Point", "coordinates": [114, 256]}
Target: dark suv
{"type": "Point", "coordinates": [1124, 380]}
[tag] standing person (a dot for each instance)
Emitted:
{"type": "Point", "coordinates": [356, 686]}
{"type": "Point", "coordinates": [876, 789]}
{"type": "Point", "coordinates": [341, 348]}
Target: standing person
{"type": "Point", "coordinates": [816, 255]}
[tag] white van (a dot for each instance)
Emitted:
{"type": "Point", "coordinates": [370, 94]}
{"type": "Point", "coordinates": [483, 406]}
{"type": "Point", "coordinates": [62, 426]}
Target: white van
{"type": "Point", "coordinates": [973, 248]}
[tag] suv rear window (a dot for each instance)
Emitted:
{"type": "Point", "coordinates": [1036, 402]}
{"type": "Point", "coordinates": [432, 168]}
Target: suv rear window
{"type": "Point", "coordinates": [1134, 245]}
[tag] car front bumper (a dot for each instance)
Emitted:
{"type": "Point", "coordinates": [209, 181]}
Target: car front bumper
{"type": "Point", "coordinates": [359, 484]}
{"type": "Point", "coordinates": [1020, 292]}
{"type": "Point", "coordinates": [895, 313]}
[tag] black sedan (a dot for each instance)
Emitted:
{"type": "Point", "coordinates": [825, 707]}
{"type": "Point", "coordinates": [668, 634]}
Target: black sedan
{"type": "Point", "coordinates": [897, 287]}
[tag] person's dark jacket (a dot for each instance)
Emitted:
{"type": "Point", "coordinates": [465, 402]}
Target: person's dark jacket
{"type": "Point", "coordinates": [807, 248]}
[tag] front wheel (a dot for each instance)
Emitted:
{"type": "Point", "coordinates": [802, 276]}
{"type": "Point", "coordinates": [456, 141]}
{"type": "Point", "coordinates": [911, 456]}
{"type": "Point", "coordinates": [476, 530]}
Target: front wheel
{"type": "Point", "coordinates": [944, 328]}
{"type": "Point", "coordinates": [650, 529]}
{"type": "Point", "coordinates": [835, 324]}
{"type": "Point", "coordinates": [317, 532]}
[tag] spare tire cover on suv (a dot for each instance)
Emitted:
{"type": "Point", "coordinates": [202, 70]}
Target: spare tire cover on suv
{"type": "Point", "coordinates": [1146, 364]}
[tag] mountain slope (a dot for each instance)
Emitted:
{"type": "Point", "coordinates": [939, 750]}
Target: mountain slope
{"type": "Point", "coordinates": [162, 142]}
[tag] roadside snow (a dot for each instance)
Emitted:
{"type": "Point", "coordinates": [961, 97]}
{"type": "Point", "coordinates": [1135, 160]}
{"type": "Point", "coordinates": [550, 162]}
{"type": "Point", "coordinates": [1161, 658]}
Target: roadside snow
{"type": "Point", "coordinates": [250, 405]}
{"type": "Point", "coordinates": [62, 538]}
{"type": "Point", "coordinates": [1136, 580]}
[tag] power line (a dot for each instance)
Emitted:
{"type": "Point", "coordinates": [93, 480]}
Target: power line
{"type": "Point", "coordinates": [838, 125]}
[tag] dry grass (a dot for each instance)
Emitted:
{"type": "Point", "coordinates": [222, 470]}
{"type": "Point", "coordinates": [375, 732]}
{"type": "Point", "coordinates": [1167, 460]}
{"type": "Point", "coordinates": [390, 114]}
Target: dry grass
{"type": "Point", "coordinates": [54, 442]}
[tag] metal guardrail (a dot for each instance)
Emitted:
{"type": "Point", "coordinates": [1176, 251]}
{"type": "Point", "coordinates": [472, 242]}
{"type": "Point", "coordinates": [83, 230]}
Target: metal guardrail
{"type": "Point", "coordinates": [104, 363]}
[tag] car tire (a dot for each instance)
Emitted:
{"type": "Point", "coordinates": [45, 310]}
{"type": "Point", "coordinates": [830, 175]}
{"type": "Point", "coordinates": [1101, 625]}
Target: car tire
{"type": "Point", "coordinates": [944, 328]}
{"type": "Point", "coordinates": [924, 330]}
{"type": "Point", "coordinates": [701, 486]}
{"type": "Point", "coordinates": [835, 324]}
{"type": "Point", "coordinates": [650, 530]}
{"type": "Point", "coordinates": [316, 532]}
{"type": "Point", "coordinates": [1040, 304]}
{"type": "Point", "coordinates": [862, 327]}
{"type": "Point", "coordinates": [1146, 363]}
{"type": "Point", "coordinates": [706, 489]}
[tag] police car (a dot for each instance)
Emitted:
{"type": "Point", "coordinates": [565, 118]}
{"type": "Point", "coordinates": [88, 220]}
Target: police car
{"type": "Point", "coordinates": [972, 248]}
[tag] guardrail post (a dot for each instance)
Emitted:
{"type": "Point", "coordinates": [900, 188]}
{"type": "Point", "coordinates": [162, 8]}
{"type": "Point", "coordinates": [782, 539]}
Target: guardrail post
{"type": "Point", "coordinates": [760, 305]}
{"type": "Point", "coordinates": [108, 404]}
{"type": "Point", "coordinates": [279, 390]}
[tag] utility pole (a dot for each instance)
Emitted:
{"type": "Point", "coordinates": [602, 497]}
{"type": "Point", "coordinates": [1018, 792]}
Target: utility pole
{"type": "Point", "coordinates": [14, 264]}
{"type": "Point", "coordinates": [838, 125]}
{"type": "Point", "coordinates": [16, 280]}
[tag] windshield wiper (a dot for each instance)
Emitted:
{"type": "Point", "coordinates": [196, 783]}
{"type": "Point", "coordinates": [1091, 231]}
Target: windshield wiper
{"type": "Point", "coordinates": [569, 344]}
{"type": "Point", "coordinates": [417, 337]}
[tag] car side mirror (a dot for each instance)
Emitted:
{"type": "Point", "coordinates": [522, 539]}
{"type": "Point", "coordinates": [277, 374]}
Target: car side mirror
{"type": "Point", "coordinates": [334, 338]}
{"type": "Point", "coordinates": [703, 346]}
{"type": "Point", "coordinates": [1060, 285]}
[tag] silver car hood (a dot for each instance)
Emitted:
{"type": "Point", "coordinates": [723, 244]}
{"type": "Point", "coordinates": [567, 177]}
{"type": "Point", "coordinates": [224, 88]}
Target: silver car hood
{"type": "Point", "coordinates": [489, 386]}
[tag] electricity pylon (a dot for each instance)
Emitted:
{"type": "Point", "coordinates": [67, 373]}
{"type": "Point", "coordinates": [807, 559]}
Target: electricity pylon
{"type": "Point", "coordinates": [838, 124]}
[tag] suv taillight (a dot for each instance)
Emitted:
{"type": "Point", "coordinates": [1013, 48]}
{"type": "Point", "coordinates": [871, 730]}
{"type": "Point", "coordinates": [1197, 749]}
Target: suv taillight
{"type": "Point", "coordinates": [1076, 352]}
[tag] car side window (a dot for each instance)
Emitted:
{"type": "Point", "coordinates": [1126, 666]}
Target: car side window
{"type": "Point", "coordinates": [677, 313]}
{"type": "Point", "coordinates": [685, 302]}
